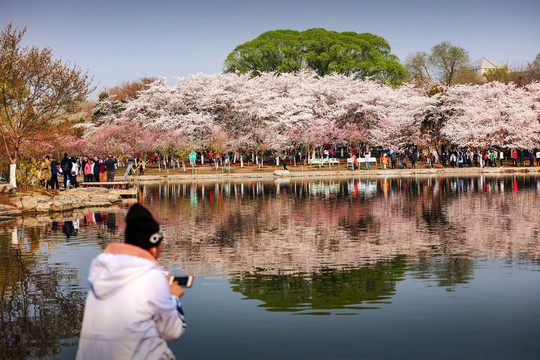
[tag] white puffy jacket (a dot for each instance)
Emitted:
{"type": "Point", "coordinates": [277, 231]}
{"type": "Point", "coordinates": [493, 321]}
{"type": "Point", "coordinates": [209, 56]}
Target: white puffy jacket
{"type": "Point", "coordinates": [129, 312]}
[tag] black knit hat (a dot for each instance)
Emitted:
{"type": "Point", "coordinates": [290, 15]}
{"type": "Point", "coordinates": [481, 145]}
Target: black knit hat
{"type": "Point", "coordinates": [141, 228]}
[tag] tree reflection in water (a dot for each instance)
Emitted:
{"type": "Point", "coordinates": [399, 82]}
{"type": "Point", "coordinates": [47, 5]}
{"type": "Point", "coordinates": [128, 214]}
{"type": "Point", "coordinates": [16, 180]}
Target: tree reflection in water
{"type": "Point", "coordinates": [328, 289]}
{"type": "Point", "coordinates": [348, 289]}
{"type": "Point", "coordinates": [40, 307]}
{"type": "Point", "coordinates": [445, 271]}
{"type": "Point", "coordinates": [303, 224]}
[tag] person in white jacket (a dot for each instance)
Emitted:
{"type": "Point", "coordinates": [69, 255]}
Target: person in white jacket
{"type": "Point", "coordinates": [131, 310]}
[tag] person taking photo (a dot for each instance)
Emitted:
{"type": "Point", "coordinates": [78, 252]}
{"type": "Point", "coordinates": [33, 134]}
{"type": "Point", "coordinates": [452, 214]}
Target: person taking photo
{"type": "Point", "coordinates": [131, 310]}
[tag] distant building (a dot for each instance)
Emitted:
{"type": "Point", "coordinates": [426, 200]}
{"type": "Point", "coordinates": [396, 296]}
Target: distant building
{"type": "Point", "coordinates": [483, 65]}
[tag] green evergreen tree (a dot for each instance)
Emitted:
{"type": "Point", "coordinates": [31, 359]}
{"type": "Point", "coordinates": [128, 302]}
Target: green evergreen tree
{"type": "Point", "coordinates": [322, 51]}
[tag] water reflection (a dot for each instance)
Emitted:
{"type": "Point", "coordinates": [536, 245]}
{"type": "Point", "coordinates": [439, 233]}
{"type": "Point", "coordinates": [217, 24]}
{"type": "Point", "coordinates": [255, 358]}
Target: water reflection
{"type": "Point", "coordinates": [346, 291]}
{"type": "Point", "coordinates": [101, 221]}
{"type": "Point", "coordinates": [318, 247]}
{"type": "Point", "coordinates": [444, 271]}
{"type": "Point", "coordinates": [40, 312]}
{"type": "Point", "coordinates": [305, 225]}
{"type": "Point", "coordinates": [71, 228]}
{"type": "Point", "coordinates": [327, 291]}
{"type": "Point", "coordinates": [41, 300]}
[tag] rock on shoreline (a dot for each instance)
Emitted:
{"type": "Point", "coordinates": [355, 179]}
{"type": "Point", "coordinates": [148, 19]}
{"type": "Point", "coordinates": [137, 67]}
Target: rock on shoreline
{"type": "Point", "coordinates": [67, 200]}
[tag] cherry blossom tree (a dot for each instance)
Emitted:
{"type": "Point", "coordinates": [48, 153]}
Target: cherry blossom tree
{"type": "Point", "coordinates": [229, 112]}
{"type": "Point", "coordinates": [217, 141]}
{"type": "Point", "coordinates": [36, 92]}
{"type": "Point", "coordinates": [493, 115]}
{"type": "Point", "coordinates": [124, 138]}
{"type": "Point", "coordinates": [74, 145]}
{"type": "Point", "coordinates": [175, 145]}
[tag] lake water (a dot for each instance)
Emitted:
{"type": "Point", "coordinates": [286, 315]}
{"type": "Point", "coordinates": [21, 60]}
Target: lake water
{"type": "Point", "coordinates": [322, 269]}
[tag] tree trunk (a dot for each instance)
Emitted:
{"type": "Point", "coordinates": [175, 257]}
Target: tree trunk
{"type": "Point", "coordinates": [13, 175]}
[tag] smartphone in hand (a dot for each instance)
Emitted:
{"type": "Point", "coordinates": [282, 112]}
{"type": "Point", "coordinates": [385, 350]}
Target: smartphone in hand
{"type": "Point", "coordinates": [183, 281]}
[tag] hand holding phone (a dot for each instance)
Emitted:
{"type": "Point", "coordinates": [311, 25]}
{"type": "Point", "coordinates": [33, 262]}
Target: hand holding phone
{"type": "Point", "coordinates": [176, 290]}
{"type": "Point", "coordinates": [183, 281]}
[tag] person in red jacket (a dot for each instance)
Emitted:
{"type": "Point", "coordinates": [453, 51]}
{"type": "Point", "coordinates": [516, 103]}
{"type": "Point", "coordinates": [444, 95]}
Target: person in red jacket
{"type": "Point", "coordinates": [514, 157]}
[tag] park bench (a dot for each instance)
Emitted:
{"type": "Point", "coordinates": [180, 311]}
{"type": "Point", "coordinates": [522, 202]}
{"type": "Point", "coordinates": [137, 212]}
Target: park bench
{"type": "Point", "coordinates": [316, 161]}
{"type": "Point", "coordinates": [362, 160]}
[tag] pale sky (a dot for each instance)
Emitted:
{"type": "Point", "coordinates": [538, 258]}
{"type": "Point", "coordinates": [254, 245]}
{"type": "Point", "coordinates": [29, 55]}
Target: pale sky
{"type": "Point", "coordinates": [124, 40]}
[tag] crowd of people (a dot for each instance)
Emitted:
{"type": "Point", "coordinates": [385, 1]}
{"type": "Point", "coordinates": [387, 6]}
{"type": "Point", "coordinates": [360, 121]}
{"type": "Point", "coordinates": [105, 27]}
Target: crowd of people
{"type": "Point", "coordinates": [93, 169]}
{"type": "Point", "coordinates": [456, 158]}
{"type": "Point", "coordinates": [387, 159]}
{"type": "Point", "coordinates": [488, 158]}
{"type": "Point", "coordinates": [71, 170]}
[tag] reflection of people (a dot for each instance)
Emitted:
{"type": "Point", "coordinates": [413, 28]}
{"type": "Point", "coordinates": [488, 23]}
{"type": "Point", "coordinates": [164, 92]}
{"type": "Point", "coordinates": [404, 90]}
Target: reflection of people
{"type": "Point", "coordinates": [68, 228]}
{"type": "Point", "coordinates": [131, 310]}
{"type": "Point", "coordinates": [111, 221]}
{"type": "Point", "coordinates": [89, 218]}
